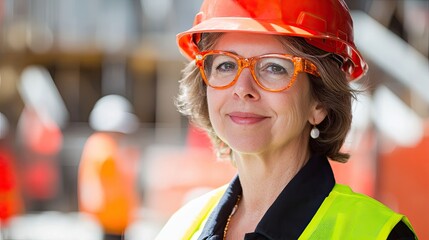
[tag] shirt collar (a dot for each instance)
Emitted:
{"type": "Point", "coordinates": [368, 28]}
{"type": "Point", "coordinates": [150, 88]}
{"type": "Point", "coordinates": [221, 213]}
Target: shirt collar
{"type": "Point", "coordinates": [291, 211]}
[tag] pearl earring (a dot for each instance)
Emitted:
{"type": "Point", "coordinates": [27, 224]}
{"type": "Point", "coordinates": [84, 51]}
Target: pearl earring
{"type": "Point", "coordinates": [314, 133]}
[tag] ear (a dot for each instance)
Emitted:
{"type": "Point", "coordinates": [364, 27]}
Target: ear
{"type": "Point", "coordinates": [317, 114]}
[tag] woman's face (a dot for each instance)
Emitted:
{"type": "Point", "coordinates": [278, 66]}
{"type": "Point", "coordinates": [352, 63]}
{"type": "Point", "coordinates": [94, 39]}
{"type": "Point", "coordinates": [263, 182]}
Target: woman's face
{"type": "Point", "coordinates": [255, 121]}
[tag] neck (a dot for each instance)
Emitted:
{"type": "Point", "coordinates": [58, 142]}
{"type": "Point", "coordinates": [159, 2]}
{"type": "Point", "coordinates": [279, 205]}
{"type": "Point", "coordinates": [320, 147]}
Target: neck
{"type": "Point", "coordinates": [257, 174]}
{"type": "Point", "coordinates": [262, 180]}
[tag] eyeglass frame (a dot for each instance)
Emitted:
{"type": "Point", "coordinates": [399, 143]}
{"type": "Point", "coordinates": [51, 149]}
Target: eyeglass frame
{"type": "Point", "coordinates": [300, 65]}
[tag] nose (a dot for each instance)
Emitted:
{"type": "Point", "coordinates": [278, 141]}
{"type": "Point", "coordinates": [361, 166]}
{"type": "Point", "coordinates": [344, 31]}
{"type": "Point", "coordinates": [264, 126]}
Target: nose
{"type": "Point", "coordinates": [245, 87]}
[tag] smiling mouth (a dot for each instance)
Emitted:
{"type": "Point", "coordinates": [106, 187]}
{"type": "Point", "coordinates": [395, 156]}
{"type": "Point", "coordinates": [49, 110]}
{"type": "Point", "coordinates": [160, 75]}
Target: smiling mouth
{"type": "Point", "coordinates": [246, 118]}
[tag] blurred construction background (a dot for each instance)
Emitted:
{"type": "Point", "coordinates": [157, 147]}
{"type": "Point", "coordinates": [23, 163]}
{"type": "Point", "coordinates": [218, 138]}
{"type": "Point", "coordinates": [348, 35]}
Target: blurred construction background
{"type": "Point", "coordinates": [92, 147]}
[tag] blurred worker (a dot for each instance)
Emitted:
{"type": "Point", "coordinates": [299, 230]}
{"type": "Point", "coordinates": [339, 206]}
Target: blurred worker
{"type": "Point", "coordinates": [40, 138]}
{"type": "Point", "coordinates": [269, 82]}
{"type": "Point", "coordinates": [107, 171]}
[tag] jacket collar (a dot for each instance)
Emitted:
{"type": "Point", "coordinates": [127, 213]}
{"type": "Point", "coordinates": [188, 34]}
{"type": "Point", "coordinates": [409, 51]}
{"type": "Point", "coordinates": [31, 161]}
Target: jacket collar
{"type": "Point", "coordinates": [291, 211]}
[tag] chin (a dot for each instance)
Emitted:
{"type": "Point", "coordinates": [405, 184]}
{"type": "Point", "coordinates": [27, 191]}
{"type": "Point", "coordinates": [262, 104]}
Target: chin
{"type": "Point", "coordinates": [247, 148]}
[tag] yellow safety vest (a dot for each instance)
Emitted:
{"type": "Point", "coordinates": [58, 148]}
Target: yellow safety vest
{"type": "Point", "coordinates": [344, 214]}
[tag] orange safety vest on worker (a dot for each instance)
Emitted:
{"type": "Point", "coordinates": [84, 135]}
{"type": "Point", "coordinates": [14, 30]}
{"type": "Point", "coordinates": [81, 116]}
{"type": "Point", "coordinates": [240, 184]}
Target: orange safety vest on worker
{"type": "Point", "coordinates": [107, 182]}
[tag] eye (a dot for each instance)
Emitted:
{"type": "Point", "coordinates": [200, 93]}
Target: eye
{"type": "Point", "coordinates": [274, 69]}
{"type": "Point", "coordinates": [275, 66]}
{"type": "Point", "coordinates": [223, 63]}
{"type": "Point", "coordinates": [226, 66]}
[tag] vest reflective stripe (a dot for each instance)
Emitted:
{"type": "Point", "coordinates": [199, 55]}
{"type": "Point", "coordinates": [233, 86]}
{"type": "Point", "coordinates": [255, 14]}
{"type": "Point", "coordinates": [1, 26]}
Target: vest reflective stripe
{"type": "Point", "coordinates": [342, 215]}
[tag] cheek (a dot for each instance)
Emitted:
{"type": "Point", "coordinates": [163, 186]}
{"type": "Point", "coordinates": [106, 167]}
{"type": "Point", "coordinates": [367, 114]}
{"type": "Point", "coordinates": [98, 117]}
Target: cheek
{"type": "Point", "coordinates": [295, 110]}
{"type": "Point", "coordinates": [301, 100]}
{"type": "Point", "coordinates": [296, 115]}
{"type": "Point", "coordinates": [291, 116]}
{"type": "Point", "coordinates": [211, 100]}
{"type": "Point", "coordinates": [213, 104]}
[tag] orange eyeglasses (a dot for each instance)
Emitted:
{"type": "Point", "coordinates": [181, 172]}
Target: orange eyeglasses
{"type": "Point", "coordinates": [272, 72]}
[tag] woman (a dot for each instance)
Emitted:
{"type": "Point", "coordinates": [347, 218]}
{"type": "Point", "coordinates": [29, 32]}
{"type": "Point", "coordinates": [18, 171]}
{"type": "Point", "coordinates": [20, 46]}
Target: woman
{"type": "Point", "coordinates": [269, 84]}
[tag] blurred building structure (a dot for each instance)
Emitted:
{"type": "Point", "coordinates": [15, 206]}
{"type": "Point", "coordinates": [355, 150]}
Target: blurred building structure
{"type": "Point", "coordinates": [100, 47]}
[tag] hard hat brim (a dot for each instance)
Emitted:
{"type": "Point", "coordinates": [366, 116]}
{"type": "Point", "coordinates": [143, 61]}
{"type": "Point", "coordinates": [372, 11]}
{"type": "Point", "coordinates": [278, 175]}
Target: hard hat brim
{"type": "Point", "coordinates": [237, 24]}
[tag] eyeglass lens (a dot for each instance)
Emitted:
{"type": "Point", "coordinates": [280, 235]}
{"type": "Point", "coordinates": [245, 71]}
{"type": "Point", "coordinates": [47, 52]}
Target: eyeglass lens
{"type": "Point", "coordinates": [271, 72]}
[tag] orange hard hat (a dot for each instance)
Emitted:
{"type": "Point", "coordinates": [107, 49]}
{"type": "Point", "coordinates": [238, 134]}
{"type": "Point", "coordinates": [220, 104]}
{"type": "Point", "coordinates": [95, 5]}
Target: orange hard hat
{"type": "Point", "coordinates": [326, 24]}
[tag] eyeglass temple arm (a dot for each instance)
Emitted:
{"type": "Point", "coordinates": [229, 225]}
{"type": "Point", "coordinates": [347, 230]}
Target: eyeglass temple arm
{"type": "Point", "coordinates": [309, 67]}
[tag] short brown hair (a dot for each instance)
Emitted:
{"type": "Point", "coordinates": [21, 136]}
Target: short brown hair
{"type": "Point", "coordinates": [331, 89]}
